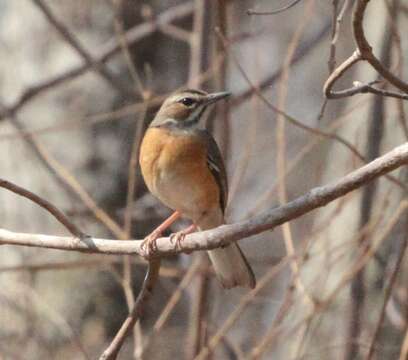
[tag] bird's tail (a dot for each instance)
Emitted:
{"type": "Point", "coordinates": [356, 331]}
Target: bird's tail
{"type": "Point", "coordinates": [230, 265]}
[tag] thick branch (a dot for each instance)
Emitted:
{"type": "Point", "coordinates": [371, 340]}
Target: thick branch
{"type": "Point", "coordinates": [214, 238]}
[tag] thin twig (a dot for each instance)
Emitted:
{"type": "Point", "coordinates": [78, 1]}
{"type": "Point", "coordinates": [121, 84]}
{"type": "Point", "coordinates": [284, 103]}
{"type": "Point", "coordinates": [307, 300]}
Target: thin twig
{"type": "Point", "coordinates": [363, 52]}
{"type": "Point", "coordinates": [76, 45]}
{"type": "Point", "coordinates": [404, 346]}
{"type": "Point", "coordinates": [150, 280]}
{"type": "Point", "coordinates": [197, 293]}
{"type": "Point", "coordinates": [247, 299]}
{"type": "Point", "coordinates": [375, 133]}
{"type": "Point", "coordinates": [303, 51]}
{"type": "Point", "coordinates": [110, 49]}
{"type": "Point", "coordinates": [366, 50]}
{"type": "Point", "coordinates": [387, 296]}
{"type": "Point", "coordinates": [68, 180]}
{"type": "Point", "coordinates": [299, 124]}
{"type": "Point", "coordinates": [132, 173]}
{"type": "Point", "coordinates": [118, 25]}
{"type": "Point", "coordinates": [273, 12]}
{"type": "Point", "coordinates": [281, 146]}
{"type": "Point", "coordinates": [45, 204]}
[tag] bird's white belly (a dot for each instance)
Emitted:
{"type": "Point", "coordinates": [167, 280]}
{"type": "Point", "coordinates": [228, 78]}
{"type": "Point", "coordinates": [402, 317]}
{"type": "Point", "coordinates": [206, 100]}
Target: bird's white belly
{"type": "Point", "coordinates": [178, 193]}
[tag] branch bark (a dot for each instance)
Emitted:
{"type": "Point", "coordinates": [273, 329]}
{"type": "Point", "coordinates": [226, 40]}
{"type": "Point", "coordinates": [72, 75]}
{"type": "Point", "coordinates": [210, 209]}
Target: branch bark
{"type": "Point", "coordinates": [315, 198]}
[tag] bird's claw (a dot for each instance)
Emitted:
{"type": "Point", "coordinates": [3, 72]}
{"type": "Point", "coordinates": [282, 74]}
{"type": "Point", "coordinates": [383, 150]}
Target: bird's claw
{"type": "Point", "coordinates": [177, 238]}
{"type": "Point", "coordinates": [149, 244]}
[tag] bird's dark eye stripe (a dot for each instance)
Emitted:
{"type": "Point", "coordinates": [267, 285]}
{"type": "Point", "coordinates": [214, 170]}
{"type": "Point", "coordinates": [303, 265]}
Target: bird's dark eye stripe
{"type": "Point", "coordinates": [187, 101]}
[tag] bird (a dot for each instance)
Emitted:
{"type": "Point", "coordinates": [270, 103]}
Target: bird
{"type": "Point", "coordinates": [182, 166]}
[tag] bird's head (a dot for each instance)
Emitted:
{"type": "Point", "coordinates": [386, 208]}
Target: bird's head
{"type": "Point", "coordinates": [184, 108]}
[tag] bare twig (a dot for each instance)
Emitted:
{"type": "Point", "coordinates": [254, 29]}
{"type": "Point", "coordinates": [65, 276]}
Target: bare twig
{"type": "Point", "coordinates": [387, 296]}
{"type": "Point", "coordinates": [75, 44]}
{"type": "Point", "coordinates": [247, 299]}
{"type": "Point", "coordinates": [394, 13]}
{"type": "Point", "coordinates": [336, 22]}
{"type": "Point", "coordinates": [366, 50]}
{"type": "Point", "coordinates": [301, 125]}
{"type": "Point", "coordinates": [196, 43]}
{"type": "Point", "coordinates": [176, 296]}
{"type": "Point", "coordinates": [404, 347]}
{"type": "Point", "coordinates": [45, 204]}
{"type": "Point", "coordinates": [334, 36]}
{"type": "Point", "coordinates": [64, 177]}
{"type": "Point", "coordinates": [363, 52]}
{"type": "Point", "coordinates": [110, 49]}
{"type": "Point", "coordinates": [118, 25]}
{"type": "Point", "coordinates": [147, 288]}
{"type": "Point", "coordinates": [281, 146]}
{"type": "Point", "coordinates": [374, 137]}
{"type": "Point", "coordinates": [224, 234]}
{"type": "Point", "coordinates": [197, 292]}
{"type": "Point", "coordinates": [132, 173]}
{"type": "Point", "coordinates": [301, 54]}
{"type": "Point", "coordinates": [273, 12]}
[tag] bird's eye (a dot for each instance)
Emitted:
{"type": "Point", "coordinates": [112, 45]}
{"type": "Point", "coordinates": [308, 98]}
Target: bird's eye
{"type": "Point", "coordinates": [187, 101]}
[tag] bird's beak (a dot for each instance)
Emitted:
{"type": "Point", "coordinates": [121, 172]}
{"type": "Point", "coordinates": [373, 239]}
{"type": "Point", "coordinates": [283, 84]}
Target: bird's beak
{"type": "Point", "coordinates": [214, 97]}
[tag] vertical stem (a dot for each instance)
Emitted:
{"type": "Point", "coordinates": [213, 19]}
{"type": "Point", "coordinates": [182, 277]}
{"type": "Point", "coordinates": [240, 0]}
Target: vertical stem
{"type": "Point", "coordinates": [223, 111]}
{"type": "Point", "coordinates": [198, 290]}
{"type": "Point", "coordinates": [197, 329]}
{"type": "Point", "coordinates": [357, 290]}
{"type": "Point", "coordinates": [196, 44]}
{"type": "Point", "coordinates": [281, 145]}
{"type": "Point", "coordinates": [152, 275]}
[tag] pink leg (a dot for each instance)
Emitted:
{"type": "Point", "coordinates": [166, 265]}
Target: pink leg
{"type": "Point", "coordinates": [150, 240]}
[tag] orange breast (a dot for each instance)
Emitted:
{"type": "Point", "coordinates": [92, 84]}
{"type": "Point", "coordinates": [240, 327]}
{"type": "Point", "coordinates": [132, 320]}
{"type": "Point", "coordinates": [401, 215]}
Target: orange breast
{"type": "Point", "coordinates": [174, 166]}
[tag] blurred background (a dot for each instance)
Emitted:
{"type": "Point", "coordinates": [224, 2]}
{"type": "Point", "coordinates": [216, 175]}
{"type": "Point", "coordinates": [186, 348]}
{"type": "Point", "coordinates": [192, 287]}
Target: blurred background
{"type": "Point", "coordinates": [80, 81]}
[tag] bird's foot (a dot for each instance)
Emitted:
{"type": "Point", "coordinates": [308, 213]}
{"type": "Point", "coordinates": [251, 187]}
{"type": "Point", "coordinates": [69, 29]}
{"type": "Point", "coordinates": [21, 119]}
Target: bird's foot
{"type": "Point", "coordinates": [178, 237]}
{"type": "Point", "coordinates": [149, 244]}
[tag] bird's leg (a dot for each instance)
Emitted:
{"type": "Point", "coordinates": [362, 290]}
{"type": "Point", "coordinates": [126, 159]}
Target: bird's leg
{"type": "Point", "coordinates": [149, 243]}
{"type": "Point", "coordinates": [178, 237]}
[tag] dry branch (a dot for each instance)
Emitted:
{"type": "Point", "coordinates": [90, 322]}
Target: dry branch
{"type": "Point", "coordinates": [110, 49]}
{"type": "Point", "coordinates": [366, 50]}
{"type": "Point", "coordinates": [363, 52]}
{"type": "Point", "coordinates": [273, 12]}
{"type": "Point", "coordinates": [81, 50]}
{"type": "Point", "coordinates": [45, 204]}
{"type": "Point", "coordinates": [315, 198]}
{"type": "Point", "coordinates": [151, 277]}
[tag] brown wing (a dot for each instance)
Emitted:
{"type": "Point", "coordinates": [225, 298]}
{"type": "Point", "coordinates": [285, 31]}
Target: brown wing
{"type": "Point", "coordinates": [216, 166]}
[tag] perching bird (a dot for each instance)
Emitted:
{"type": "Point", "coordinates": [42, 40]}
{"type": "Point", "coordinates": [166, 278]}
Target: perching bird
{"type": "Point", "coordinates": [182, 166]}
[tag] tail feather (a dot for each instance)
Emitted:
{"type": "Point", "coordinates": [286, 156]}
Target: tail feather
{"type": "Point", "coordinates": [231, 267]}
